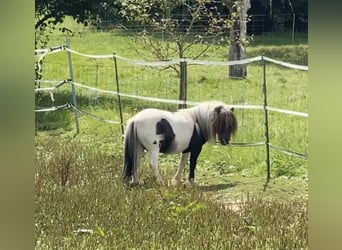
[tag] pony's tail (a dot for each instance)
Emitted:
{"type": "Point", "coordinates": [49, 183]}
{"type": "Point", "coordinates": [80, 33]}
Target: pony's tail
{"type": "Point", "coordinates": [130, 151]}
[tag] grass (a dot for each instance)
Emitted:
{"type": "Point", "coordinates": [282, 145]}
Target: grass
{"type": "Point", "coordinates": [81, 202]}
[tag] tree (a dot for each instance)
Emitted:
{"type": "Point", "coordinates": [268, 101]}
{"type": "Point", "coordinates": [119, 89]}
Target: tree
{"type": "Point", "coordinates": [238, 38]}
{"type": "Point", "coordinates": [181, 25]}
{"type": "Point", "coordinates": [48, 13]}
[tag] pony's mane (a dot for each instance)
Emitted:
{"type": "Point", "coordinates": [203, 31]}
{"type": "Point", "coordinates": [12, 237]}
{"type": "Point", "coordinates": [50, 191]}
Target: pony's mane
{"type": "Point", "coordinates": [206, 115]}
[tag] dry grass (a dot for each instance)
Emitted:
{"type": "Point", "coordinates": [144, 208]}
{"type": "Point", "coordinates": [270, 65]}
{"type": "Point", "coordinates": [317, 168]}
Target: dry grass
{"type": "Point", "coordinates": [92, 208]}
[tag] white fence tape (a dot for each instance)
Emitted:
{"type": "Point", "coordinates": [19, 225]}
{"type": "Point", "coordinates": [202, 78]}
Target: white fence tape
{"type": "Point", "coordinates": [288, 65]}
{"type": "Point", "coordinates": [146, 63]}
{"type": "Point", "coordinates": [90, 56]}
{"type": "Point", "coordinates": [244, 61]}
{"type": "Point", "coordinates": [46, 109]}
{"type": "Point", "coordinates": [296, 113]}
{"type": "Point", "coordinates": [94, 116]}
{"type": "Point", "coordinates": [56, 84]}
{"type": "Point", "coordinates": [155, 99]}
{"type": "Point", "coordinates": [41, 53]}
{"type": "Point", "coordinates": [54, 108]}
{"type": "Point", "coordinates": [247, 106]}
{"type": "Point", "coordinates": [48, 81]}
{"type": "Point", "coordinates": [44, 89]}
{"type": "Point", "coordinates": [172, 101]}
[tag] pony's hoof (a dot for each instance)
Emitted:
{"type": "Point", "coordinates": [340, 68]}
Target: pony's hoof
{"type": "Point", "coordinates": [133, 183]}
{"type": "Point", "coordinates": [176, 182]}
{"type": "Point", "coordinates": [192, 182]}
{"type": "Point", "coordinates": [160, 181]}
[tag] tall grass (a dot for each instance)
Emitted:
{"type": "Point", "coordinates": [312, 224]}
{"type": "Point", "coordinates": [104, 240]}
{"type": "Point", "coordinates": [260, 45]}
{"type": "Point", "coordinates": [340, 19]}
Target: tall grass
{"type": "Point", "coordinates": [81, 203]}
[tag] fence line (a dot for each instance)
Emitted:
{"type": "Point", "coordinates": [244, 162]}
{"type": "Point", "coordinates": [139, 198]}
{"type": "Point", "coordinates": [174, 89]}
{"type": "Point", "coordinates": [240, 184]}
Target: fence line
{"type": "Point", "coordinates": [174, 62]}
{"type": "Point", "coordinates": [54, 108]}
{"type": "Point", "coordinates": [286, 151]}
{"type": "Point", "coordinates": [172, 101]}
{"type": "Point", "coordinates": [285, 64]}
{"type": "Point", "coordinates": [56, 84]}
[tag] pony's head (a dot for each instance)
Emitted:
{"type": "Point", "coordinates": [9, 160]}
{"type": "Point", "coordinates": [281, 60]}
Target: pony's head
{"type": "Point", "coordinates": [224, 123]}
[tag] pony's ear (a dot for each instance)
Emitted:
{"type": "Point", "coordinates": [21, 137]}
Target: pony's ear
{"type": "Point", "coordinates": [218, 109]}
{"type": "Point", "coordinates": [232, 109]}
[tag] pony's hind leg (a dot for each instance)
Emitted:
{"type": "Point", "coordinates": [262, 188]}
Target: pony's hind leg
{"type": "Point", "coordinates": [154, 155]}
{"type": "Point", "coordinates": [182, 162]}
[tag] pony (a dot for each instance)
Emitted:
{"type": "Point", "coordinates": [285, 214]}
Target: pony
{"type": "Point", "coordinates": [182, 132]}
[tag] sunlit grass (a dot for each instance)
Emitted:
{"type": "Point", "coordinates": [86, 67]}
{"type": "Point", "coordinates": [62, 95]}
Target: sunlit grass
{"type": "Point", "coordinates": [81, 202]}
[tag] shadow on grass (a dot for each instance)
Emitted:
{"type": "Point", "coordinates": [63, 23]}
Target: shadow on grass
{"type": "Point", "coordinates": [216, 187]}
{"type": "Point", "coordinates": [149, 182]}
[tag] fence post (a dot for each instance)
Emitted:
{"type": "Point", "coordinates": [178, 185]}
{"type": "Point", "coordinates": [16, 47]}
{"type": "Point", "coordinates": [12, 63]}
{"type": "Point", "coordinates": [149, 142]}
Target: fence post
{"type": "Point", "coordinates": [267, 138]}
{"type": "Point", "coordinates": [183, 83]}
{"type": "Point", "coordinates": [293, 26]}
{"type": "Point", "coordinates": [118, 91]}
{"type": "Point", "coordinates": [71, 76]}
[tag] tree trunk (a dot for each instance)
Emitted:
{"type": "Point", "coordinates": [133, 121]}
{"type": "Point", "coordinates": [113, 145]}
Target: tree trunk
{"type": "Point", "coordinates": [237, 52]}
{"type": "Point", "coordinates": [237, 37]}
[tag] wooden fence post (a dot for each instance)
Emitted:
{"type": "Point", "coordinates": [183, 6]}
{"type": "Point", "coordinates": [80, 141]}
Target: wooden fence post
{"type": "Point", "coordinates": [71, 76]}
{"type": "Point", "coordinates": [183, 83]}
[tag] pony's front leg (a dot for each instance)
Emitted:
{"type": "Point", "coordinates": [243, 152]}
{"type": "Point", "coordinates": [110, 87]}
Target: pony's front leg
{"type": "Point", "coordinates": [193, 161]}
{"type": "Point", "coordinates": [154, 155]}
{"type": "Point", "coordinates": [182, 162]}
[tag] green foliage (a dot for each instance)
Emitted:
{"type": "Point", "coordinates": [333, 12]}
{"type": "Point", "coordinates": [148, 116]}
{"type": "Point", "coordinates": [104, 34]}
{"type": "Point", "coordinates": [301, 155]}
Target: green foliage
{"type": "Point", "coordinates": [181, 25]}
{"type": "Point", "coordinates": [50, 13]}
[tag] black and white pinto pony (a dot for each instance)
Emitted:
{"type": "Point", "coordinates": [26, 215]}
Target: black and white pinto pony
{"type": "Point", "coordinates": [185, 131]}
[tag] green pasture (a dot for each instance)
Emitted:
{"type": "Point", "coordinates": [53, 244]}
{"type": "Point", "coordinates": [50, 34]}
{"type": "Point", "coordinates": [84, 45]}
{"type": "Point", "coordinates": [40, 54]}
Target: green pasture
{"type": "Point", "coordinates": [81, 202]}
